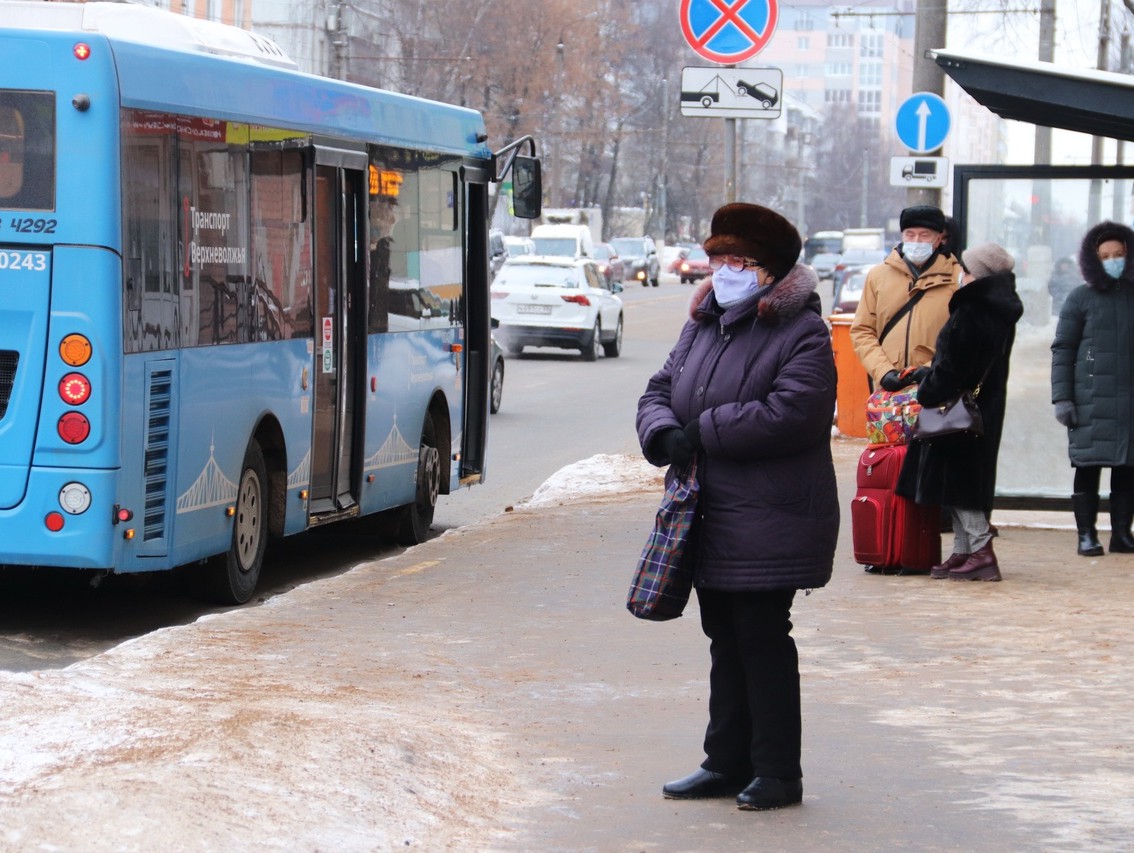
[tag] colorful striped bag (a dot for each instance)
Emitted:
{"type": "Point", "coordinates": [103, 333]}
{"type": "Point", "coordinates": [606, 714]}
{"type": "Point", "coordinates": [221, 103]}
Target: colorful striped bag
{"type": "Point", "coordinates": [891, 415]}
{"type": "Point", "coordinates": [664, 577]}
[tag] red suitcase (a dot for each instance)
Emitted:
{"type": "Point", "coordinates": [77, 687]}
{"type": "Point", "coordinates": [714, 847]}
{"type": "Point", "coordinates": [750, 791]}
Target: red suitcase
{"type": "Point", "coordinates": [891, 534]}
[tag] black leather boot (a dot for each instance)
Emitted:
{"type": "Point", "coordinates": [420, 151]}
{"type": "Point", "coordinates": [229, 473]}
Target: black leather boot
{"type": "Point", "coordinates": [1121, 514]}
{"type": "Point", "coordinates": [1086, 506]}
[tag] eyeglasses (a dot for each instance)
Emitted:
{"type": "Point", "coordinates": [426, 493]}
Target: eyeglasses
{"type": "Point", "coordinates": [734, 262]}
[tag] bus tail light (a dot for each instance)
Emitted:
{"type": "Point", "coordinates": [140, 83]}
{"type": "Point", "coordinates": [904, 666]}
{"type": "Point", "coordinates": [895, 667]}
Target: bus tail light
{"type": "Point", "coordinates": [73, 428]}
{"type": "Point", "coordinates": [75, 389]}
{"type": "Point", "coordinates": [53, 521]}
{"type": "Point", "coordinates": [75, 350]}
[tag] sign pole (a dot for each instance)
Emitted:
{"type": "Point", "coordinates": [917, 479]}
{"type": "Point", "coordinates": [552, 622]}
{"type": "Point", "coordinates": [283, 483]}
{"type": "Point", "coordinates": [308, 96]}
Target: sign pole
{"type": "Point", "coordinates": [730, 160]}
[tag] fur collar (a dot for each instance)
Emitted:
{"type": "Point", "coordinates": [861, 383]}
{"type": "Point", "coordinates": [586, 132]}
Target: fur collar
{"type": "Point", "coordinates": [787, 297]}
{"type": "Point", "coordinates": [992, 294]}
{"type": "Point", "coordinates": [1091, 267]}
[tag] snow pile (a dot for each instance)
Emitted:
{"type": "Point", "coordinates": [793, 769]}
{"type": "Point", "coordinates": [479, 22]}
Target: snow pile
{"type": "Point", "coordinates": [603, 475]}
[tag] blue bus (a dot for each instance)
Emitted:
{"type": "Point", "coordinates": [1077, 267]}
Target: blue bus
{"type": "Point", "coordinates": [238, 301]}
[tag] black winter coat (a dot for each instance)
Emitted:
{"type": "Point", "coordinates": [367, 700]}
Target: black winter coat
{"type": "Point", "coordinates": [760, 379]}
{"type": "Point", "coordinates": [1092, 357]}
{"type": "Point", "coordinates": [960, 471]}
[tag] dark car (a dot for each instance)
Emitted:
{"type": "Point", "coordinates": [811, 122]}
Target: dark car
{"type": "Point", "coordinates": [824, 264]}
{"type": "Point", "coordinates": [497, 252]}
{"type": "Point", "coordinates": [852, 261]}
{"type": "Point", "coordinates": [640, 256]}
{"type": "Point", "coordinates": [610, 263]}
{"type": "Point", "coordinates": [497, 377]}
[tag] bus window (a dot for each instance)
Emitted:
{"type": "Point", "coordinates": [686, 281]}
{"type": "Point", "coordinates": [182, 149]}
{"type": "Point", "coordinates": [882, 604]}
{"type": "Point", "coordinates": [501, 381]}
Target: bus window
{"type": "Point", "coordinates": [27, 150]}
{"type": "Point", "coordinates": [281, 246]}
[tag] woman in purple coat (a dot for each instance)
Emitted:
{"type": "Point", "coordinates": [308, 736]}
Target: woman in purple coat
{"type": "Point", "coordinates": [749, 389]}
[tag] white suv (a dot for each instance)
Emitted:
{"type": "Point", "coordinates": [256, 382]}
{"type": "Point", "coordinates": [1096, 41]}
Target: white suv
{"type": "Point", "coordinates": [546, 301]}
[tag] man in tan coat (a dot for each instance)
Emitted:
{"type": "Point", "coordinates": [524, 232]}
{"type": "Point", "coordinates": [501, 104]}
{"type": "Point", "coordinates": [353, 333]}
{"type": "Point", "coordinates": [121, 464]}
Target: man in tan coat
{"type": "Point", "coordinates": [914, 285]}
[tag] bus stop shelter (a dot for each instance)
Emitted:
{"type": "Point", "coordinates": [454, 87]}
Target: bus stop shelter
{"type": "Point", "coordinates": [1040, 214]}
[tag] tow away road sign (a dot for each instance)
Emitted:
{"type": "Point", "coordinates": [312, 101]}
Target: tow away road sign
{"type": "Point", "coordinates": [731, 92]}
{"type": "Point", "coordinates": [919, 171]}
{"type": "Point", "coordinates": [728, 31]}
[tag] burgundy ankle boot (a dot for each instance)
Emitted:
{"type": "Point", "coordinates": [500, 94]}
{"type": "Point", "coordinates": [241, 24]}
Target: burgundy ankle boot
{"type": "Point", "coordinates": [980, 566]}
{"type": "Point", "coordinates": [941, 570]}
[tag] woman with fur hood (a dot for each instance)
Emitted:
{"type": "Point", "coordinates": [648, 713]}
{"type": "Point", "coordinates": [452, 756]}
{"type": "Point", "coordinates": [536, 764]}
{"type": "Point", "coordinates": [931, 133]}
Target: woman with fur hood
{"type": "Point", "coordinates": [1092, 383]}
{"type": "Point", "coordinates": [749, 389]}
{"type": "Point", "coordinates": [959, 471]}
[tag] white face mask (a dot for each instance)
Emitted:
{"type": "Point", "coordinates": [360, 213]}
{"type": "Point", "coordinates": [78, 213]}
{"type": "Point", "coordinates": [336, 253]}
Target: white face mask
{"type": "Point", "coordinates": [917, 253]}
{"type": "Point", "coordinates": [731, 287]}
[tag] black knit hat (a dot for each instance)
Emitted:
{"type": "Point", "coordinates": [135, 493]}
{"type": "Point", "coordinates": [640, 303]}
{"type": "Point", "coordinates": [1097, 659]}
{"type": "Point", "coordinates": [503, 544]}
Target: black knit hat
{"type": "Point", "coordinates": [755, 232]}
{"type": "Point", "coordinates": [923, 216]}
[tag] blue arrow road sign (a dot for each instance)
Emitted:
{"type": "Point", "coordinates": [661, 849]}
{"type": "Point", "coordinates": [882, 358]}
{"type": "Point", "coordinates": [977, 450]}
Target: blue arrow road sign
{"type": "Point", "coordinates": [922, 122]}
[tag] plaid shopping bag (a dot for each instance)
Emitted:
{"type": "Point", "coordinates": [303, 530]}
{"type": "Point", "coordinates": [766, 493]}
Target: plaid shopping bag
{"type": "Point", "coordinates": [664, 577]}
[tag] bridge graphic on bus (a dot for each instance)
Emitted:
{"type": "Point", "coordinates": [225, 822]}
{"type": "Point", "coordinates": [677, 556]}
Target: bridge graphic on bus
{"type": "Point", "coordinates": [395, 450]}
{"type": "Point", "coordinates": [211, 488]}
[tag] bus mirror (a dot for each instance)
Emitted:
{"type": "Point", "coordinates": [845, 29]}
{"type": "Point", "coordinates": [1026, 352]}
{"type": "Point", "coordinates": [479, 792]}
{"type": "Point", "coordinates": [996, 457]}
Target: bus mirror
{"type": "Point", "coordinates": [527, 189]}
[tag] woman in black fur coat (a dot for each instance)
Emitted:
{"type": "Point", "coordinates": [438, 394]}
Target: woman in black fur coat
{"type": "Point", "coordinates": [959, 471]}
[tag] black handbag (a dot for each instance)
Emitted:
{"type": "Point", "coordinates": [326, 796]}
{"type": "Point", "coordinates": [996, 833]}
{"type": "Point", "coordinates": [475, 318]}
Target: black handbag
{"type": "Point", "coordinates": [961, 414]}
{"type": "Point", "coordinates": [958, 415]}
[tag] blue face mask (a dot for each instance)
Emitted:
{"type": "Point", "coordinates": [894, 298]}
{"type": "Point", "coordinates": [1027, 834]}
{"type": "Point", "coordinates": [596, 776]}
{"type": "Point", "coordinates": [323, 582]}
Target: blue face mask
{"type": "Point", "coordinates": [731, 287]}
{"type": "Point", "coordinates": [1114, 266]}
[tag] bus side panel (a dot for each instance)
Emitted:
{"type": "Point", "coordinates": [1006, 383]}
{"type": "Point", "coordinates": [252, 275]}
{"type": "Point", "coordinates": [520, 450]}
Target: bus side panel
{"type": "Point", "coordinates": [393, 420]}
{"type": "Point", "coordinates": [224, 393]}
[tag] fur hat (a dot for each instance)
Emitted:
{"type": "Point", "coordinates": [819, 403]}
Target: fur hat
{"type": "Point", "coordinates": [986, 259]}
{"type": "Point", "coordinates": [755, 232]}
{"type": "Point", "coordinates": [923, 216]}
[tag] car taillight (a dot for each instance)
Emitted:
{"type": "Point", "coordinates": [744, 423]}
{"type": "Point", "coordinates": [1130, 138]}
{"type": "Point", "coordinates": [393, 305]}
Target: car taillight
{"type": "Point", "coordinates": [499, 294]}
{"type": "Point", "coordinates": [580, 299]}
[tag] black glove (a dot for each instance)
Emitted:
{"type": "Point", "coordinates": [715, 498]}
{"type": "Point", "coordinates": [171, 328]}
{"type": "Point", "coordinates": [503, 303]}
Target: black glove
{"type": "Point", "coordinates": [918, 375]}
{"type": "Point", "coordinates": [677, 447]}
{"type": "Point", "coordinates": [693, 433]}
{"type": "Point", "coordinates": [1065, 413]}
{"type": "Point", "coordinates": [894, 381]}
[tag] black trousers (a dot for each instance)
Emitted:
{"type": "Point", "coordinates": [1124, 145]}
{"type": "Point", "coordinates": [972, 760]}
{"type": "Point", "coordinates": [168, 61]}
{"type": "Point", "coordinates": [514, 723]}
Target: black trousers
{"type": "Point", "coordinates": [1087, 479]}
{"type": "Point", "coordinates": [754, 719]}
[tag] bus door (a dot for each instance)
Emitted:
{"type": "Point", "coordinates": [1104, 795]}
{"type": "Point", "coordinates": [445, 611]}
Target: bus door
{"type": "Point", "coordinates": [340, 269]}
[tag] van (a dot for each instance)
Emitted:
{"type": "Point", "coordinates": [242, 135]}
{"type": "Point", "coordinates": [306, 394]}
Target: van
{"type": "Point", "coordinates": [572, 241]}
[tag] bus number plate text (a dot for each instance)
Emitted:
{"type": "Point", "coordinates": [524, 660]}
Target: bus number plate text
{"type": "Point", "coordinates": [33, 226]}
{"type": "Point", "coordinates": [33, 261]}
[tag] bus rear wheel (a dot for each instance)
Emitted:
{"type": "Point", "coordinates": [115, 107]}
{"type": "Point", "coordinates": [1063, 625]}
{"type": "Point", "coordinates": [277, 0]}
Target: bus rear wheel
{"type": "Point", "coordinates": [416, 518]}
{"type": "Point", "coordinates": [231, 577]}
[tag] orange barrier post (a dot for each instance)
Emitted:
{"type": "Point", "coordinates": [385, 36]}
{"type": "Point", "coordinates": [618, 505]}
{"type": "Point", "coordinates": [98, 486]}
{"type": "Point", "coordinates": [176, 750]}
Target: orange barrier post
{"type": "Point", "coordinates": [853, 389]}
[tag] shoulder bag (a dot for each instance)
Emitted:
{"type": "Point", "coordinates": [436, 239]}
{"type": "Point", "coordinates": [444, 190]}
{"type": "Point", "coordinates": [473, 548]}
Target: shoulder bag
{"type": "Point", "coordinates": [957, 415]}
{"type": "Point", "coordinates": [664, 577]}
